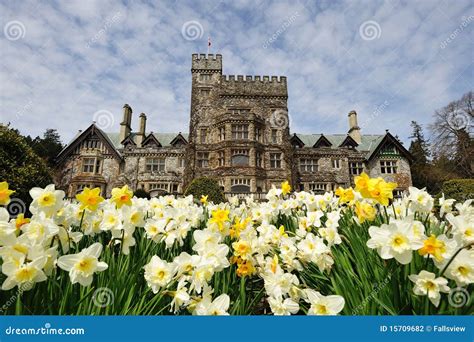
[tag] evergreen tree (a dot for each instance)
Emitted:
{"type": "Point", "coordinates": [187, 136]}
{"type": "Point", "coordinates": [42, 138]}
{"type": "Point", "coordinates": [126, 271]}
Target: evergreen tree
{"type": "Point", "coordinates": [419, 149]}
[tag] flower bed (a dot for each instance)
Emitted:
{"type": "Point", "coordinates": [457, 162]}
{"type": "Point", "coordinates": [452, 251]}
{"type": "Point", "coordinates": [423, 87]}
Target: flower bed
{"type": "Point", "coordinates": [355, 251]}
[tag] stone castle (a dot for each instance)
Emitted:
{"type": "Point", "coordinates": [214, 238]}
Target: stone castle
{"type": "Point", "coordinates": [239, 134]}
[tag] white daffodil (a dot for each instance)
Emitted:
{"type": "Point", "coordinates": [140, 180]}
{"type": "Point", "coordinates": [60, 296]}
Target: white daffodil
{"type": "Point", "coordinates": [426, 283]}
{"type": "Point", "coordinates": [420, 200]}
{"type": "Point", "coordinates": [47, 200]}
{"type": "Point", "coordinates": [83, 265]}
{"type": "Point", "coordinates": [218, 307]}
{"type": "Point", "coordinates": [463, 227]}
{"type": "Point", "coordinates": [445, 206]}
{"type": "Point", "coordinates": [461, 269]}
{"type": "Point", "coordinates": [282, 307]}
{"type": "Point", "coordinates": [394, 240]}
{"type": "Point", "coordinates": [125, 239]}
{"type": "Point", "coordinates": [7, 230]}
{"type": "Point", "coordinates": [41, 229]}
{"type": "Point", "coordinates": [323, 305]}
{"type": "Point", "coordinates": [158, 273]}
{"type": "Point", "coordinates": [23, 274]}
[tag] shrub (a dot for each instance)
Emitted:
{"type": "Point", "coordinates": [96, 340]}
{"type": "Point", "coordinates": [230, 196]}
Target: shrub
{"type": "Point", "coordinates": [21, 167]}
{"type": "Point", "coordinates": [459, 189]}
{"type": "Point", "coordinates": [141, 193]}
{"type": "Point", "coordinates": [207, 187]}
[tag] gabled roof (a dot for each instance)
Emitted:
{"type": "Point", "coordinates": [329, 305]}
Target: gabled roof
{"type": "Point", "coordinates": [151, 139]}
{"type": "Point", "coordinates": [128, 141]}
{"type": "Point", "coordinates": [179, 138]}
{"type": "Point", "coordinates": [81, 136]}
{"type": "Point", "coordinates": [296, 141]}
{"type": "Point", "coordinates": [165, 139]}
{"type": "Point", "coordinates": [322, 142]}
{"type": "Point", "coordinates": [389, 138]}
{"type": "Point", "coordinates": [348, 141]}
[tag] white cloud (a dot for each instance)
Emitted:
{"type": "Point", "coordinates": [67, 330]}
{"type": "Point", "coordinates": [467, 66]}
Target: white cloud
{"type": "Point", "coordinates": [78, 57]}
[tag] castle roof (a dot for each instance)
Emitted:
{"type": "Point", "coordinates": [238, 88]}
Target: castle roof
{"type": "Point", "coordinates": [368, 144]}
{"type": "Point", "coordinates": [164, 138]}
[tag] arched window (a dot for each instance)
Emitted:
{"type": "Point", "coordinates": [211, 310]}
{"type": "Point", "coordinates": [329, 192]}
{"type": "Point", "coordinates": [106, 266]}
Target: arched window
{"type": "Point", "coordinates": [240, 157]}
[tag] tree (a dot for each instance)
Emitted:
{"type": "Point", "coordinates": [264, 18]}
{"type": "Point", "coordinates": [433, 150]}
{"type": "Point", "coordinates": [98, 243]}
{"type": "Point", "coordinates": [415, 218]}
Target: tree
{"type": "Point", "coordinates": [419, 149]}
{"type": "Point", "coordinates": [452, 130]}
{"type": "Point", "coordinates": [204, 186]}
{"type": "Point", "coordinates": [20, 166]}
{"type": "Point", "coordinates": [47, 147]}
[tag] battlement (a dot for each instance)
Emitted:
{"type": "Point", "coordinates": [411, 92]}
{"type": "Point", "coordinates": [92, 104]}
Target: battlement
{"type": "Point", "coordinates": [254, 85]}
{"type": "Point", "coordinates": [250, 78]}
{"type": "Point", "coordinates": [206, 62]}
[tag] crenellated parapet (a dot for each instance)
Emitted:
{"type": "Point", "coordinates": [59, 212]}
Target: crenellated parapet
{"type": "Point", "coordinates": [208, 62]}
{"type": "Point", "coordinates": [254, 85]}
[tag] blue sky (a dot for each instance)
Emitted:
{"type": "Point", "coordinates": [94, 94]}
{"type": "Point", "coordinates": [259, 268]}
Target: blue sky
{"type": "Point", "coordinates": [65, 63]}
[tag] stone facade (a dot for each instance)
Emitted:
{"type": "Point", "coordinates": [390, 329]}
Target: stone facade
{"type": "Point", "coordinates": [239, 134]}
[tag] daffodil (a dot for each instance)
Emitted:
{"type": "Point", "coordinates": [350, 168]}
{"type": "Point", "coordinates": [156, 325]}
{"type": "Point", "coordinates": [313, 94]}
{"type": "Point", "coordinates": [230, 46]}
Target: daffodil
{"type": "Point", "coordinates": [219, 217]}
{"type": "Point", "coordinates": [23, 274]}
{"type": "Point", "coordinates": [242, 249]}
{"type": "Point", "coordinates": [434, 247]}
{"type": "Point", "coordinates": [122, 196]}
{"type": "Point", "coordinates": [20, 221]}
{"type": "Point", "coordinates": [285, 188]}
{"type": "Point", "coordinates": [394, 240]}
{"type": "Point", "coordinates": [83, 265]}
{"type": "Point", "coordinates": [283, 307]}
{"type": "Point", "coordinates": [323, 305]}
{"type": "Point", "coordinates": [345, 195]}
{"type": "Point", "coordinates": [365, 211]}
{"type": "Point", "coordinates": [47, 200]}
{"type": "Point", "coordinates": [461, 269]}
{"type": "Point", "coordinates": [158, 273]}
{"type": "Point", "coordinates": [203, 199]}
{"type": "Point", "coordinates": [5, 193]}
{"type": "Point", "coordinates": [426, 284]}
{"type": "Point", "coordinates": [90, 198]}
{"type": "Point", "coordinates": [217, 307]}
{"type": "Point", "coordinates": [362, 184]}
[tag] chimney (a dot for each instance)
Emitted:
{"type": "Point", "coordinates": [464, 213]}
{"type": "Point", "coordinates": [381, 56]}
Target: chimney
{"type": "Point", "coordinates": [354, 129]}
{"type": "Point", "coordinates": [141, 132]}
{"type": "Point", "coordinates": [126, 124]}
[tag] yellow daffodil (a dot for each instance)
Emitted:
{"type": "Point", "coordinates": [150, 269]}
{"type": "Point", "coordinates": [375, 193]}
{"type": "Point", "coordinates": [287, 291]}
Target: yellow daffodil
{"type": "Point", "coordinates": [219, 217]}
{"type": "Point", "coordinates": [21, 221]}
{"type": "Point", "coordinates": [242, 249]}
{"type": "Point", "coordinates": [5, 193]}
{"type": "Point", "coordinates": [345, 195]}
{"type": "Point", "coordinates": [434, 247]}
{"type": "Point", "coordinates": [362, 184]}
{"type": "Point", "coordinates": [245, 268]}
{"type": "Point", "coordinates": [365, 212]}
{"type": "Point", "coordinates": [375, 188]}
{"type": "Point", "coordinates": [285, 188]}
{"type": "Point", "coordinates": [122, 196]}
{"type": "Point", "coordinates": [90, 198]}
{"type": "Point", "coordinates": [203, 199]}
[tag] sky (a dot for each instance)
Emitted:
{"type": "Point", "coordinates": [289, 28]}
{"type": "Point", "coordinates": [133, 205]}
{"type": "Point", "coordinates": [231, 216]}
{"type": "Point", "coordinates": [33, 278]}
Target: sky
{"type": "Point", "coordinates": [65, 64]}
